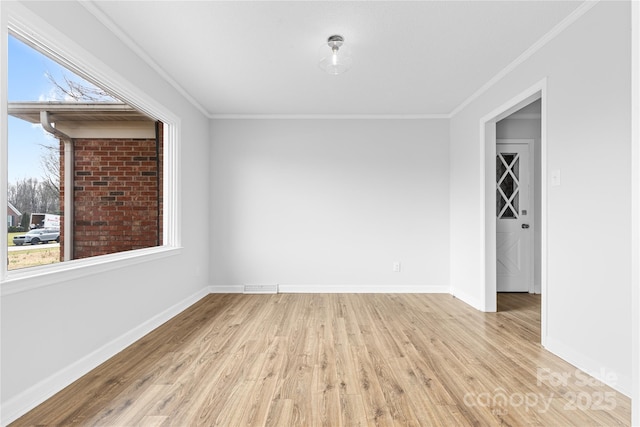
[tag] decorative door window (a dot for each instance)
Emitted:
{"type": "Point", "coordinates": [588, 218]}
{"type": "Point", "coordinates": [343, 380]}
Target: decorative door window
{"type": "Point", "coordinates": [507, 185]}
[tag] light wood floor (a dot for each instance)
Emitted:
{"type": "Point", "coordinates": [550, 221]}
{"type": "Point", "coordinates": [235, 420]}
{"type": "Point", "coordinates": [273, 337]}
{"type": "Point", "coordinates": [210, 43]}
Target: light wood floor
{"type": "Point", "coordinates": [338, 359]}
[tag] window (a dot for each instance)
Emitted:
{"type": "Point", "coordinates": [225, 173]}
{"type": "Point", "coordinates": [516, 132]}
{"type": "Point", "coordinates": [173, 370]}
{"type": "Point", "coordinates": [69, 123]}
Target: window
{"type": "Point", "coordinates": [107, 197]}
{"type": "Point", "coordinates": [507, 189]}
{"type": "Point", "coordinates": [100, 170]}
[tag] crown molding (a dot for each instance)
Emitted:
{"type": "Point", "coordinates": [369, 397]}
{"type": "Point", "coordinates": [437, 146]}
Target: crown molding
{"type": "Point", "coordinates": [328, 116]}
{"type": "Point", "coordinates": [128, 41]}
{"type": "Point", "coordinates": [552, 34]}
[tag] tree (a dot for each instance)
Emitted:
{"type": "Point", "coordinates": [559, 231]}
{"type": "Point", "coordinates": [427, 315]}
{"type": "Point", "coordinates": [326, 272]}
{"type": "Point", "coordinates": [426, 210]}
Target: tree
{"type": "Point", "coordinates": [24, 220]}
{"type": "Point", "coordinates": [50, 162]}
{"type": "Point", "coordinates": [74, 90]}
{"type": "Point", "coordinates": [30, 195]}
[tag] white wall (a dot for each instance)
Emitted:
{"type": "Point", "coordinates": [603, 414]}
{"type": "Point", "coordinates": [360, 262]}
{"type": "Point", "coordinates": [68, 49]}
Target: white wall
{"type": "Point", "coordinates": [588, 138]}
{"type": "Point", "coordinates": [329, 205]}
{"type": "Point", "coordinates": [57, 331]}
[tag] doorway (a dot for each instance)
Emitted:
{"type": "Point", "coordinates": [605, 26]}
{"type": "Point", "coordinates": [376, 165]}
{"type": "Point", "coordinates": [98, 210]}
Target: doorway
{"type": "Point", "coordinates": [488, 137]}
{"type": "Point", "coordinates": [518, 225]}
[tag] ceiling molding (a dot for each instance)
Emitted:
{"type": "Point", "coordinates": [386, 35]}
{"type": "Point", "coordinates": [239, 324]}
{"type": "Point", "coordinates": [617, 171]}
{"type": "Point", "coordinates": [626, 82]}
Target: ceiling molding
{"type": "Point", "coordinates": [552, 34]}
{"type": "Point", "coordinates": [329, 116]}
{"type": "Point", "coordinates": [124, 38]}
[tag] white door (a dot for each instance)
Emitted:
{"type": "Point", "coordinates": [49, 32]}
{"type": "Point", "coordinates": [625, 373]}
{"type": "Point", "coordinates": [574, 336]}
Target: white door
{"type": "Point", "coordinates": [514, 233]}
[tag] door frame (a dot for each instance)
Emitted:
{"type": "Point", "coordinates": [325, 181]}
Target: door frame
{"type": "Point", "coordinates": [487, 130]}
{"type": "Point", "coordinates": [531, 206]}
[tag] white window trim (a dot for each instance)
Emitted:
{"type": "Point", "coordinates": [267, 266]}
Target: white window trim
{"type": "Point", "coordinates": [39, 33]}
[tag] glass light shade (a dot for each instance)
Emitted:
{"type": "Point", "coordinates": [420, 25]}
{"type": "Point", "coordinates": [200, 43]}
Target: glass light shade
{"type": "Point", "coordinates": [335, 56]}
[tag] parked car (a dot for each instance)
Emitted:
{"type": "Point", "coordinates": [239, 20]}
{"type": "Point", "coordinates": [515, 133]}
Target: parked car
{"type": "Point", "coordinates": [34, 237]}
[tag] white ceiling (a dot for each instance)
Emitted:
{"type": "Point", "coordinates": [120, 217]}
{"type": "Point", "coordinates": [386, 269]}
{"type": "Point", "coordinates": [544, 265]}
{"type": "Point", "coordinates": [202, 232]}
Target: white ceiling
{"type": "Point", "coordinates": [261, 58]}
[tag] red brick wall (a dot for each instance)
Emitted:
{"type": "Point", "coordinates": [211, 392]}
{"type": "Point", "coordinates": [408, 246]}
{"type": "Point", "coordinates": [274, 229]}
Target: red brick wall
{"type": "Point", "coordinates": [117, 195]}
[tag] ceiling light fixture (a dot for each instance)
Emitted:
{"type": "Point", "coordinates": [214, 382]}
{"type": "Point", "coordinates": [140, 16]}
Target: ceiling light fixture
{"type": "Point", "coordinates": [336, 58]}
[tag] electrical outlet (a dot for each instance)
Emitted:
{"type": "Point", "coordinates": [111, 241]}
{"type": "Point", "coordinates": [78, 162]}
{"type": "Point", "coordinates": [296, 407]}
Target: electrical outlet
{"type": "Point", "coordinates": [396, 267]}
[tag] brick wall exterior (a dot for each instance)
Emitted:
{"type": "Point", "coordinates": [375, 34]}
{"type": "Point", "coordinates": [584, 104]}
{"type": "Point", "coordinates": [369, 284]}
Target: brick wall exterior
{"type": "Point", "coordinates": [13, 220]}
{"type": "Point", "coordinates": [117, 195]}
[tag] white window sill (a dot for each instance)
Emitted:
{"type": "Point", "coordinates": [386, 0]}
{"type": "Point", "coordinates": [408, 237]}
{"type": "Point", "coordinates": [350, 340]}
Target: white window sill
{"type": "Point", "coordinates": [37, 277]}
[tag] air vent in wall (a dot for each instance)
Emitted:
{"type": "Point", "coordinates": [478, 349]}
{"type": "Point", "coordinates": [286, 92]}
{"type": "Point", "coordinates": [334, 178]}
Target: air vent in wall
{"type": "Point", "coordinates": [260, 289]}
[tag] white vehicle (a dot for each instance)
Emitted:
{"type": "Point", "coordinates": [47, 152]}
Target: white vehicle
{"type": "Point", "coordinates": [44, 220]}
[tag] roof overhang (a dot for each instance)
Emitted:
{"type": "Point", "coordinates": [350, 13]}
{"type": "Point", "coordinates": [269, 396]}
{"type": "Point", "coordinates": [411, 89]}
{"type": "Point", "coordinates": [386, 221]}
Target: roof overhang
{"type": "Point", "coordinates": [13, 208]}
{"type": "Point", "coordinates": [86, 120]}
{"type": "Point", "coordinates": [76, 112]}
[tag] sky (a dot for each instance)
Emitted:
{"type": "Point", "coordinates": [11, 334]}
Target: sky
{"type": "Point", "coordinates": [28, 81]}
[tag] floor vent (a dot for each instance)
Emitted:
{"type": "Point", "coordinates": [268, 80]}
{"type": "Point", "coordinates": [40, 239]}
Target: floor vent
{"type": "Point", "coordinates": [260, 289]}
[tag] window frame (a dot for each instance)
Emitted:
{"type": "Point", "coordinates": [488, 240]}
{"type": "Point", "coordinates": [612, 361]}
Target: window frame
{"type": "Point", "coordinates": [18, 21]}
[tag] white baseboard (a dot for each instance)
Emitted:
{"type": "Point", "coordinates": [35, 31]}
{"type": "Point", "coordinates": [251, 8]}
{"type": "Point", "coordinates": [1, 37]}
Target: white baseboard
{"type": "Point", "coordinates": [362, 289]}
{"type": "Point", "coordinates": [599, 371]}
{"type": "Point", "coordinates": [340, 289]}
{"type": "Point", "coordinates": [467, 299]}
{"type": "Point", "coordinates": [19, 405]}
{"type": "Point", "coordinates": [232, 289]}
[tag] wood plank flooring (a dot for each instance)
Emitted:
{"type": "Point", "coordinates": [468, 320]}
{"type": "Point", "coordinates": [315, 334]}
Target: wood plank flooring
{"type": "Point", "coordinates": [338, 360]}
